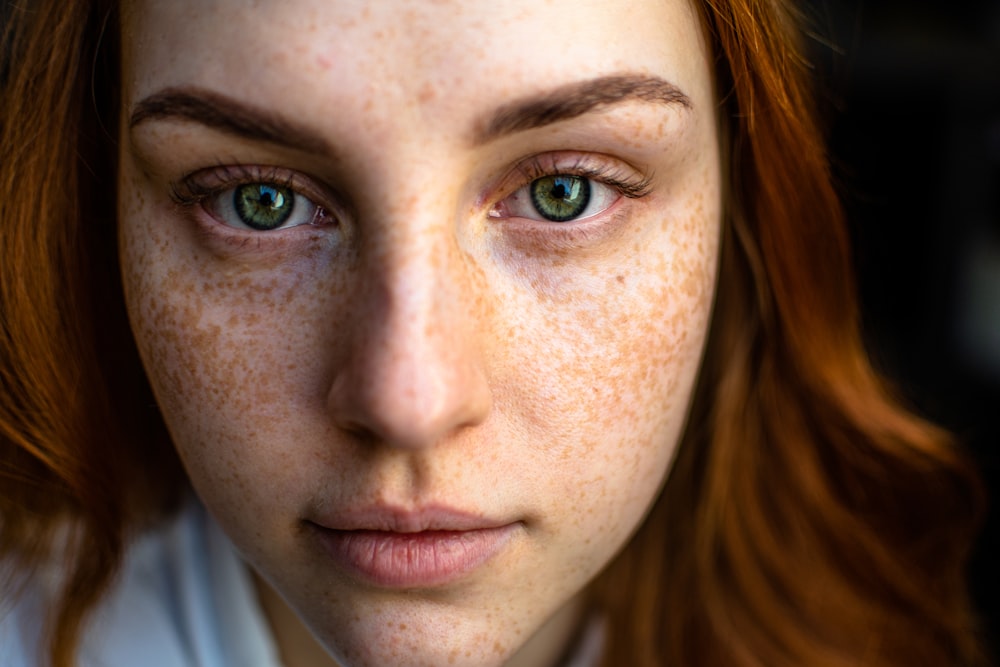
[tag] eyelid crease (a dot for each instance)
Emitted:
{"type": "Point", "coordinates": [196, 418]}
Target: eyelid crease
{"type": "Point", "coordinates": [192, 188]}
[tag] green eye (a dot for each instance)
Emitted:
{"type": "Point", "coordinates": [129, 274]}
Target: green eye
{"type": "Point", "coordinates": [263, 206]}
{"type": "Point", "coordinates": [560, 198]}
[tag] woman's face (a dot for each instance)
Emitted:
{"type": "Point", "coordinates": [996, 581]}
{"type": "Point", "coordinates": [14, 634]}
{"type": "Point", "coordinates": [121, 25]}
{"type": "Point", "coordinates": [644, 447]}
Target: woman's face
{"type": "Point", "coordinates": [422, 289]}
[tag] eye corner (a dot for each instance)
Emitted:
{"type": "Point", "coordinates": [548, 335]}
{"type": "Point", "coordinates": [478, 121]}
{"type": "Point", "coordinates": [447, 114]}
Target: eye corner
{"type": "Point", "coordinates": [185, 192]}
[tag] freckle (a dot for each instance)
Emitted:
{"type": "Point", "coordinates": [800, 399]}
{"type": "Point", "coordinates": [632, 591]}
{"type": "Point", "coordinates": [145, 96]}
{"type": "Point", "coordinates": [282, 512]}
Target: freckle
{"type": "Point", "coordinates": [426, 94]}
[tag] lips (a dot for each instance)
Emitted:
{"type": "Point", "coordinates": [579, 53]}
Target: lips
{"type": "Point", "coordinates": [432, 547]}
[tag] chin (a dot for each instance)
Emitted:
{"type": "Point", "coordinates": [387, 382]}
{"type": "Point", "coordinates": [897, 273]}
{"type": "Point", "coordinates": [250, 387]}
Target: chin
{"type": "Point", "coordinates": [417, 638]}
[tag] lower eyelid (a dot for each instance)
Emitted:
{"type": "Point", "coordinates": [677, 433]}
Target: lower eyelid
{"type": "Point", "coordinates": [554, 239]}
{"type": "Point", "coordinates": [228, 242]}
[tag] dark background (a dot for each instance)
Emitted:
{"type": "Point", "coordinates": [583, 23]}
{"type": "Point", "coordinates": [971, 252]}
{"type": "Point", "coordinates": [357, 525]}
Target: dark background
{"type": "Point", "coordinates": [911, 94]}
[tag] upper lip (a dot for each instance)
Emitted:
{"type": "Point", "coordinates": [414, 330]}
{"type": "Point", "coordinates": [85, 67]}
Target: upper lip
{"type": "Point", "coordinates": [392, 519]}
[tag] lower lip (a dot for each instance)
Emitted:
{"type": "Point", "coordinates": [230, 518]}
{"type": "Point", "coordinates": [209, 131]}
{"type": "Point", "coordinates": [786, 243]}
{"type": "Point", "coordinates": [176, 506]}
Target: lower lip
{"type": "Point", "coordinates": [414, 560]}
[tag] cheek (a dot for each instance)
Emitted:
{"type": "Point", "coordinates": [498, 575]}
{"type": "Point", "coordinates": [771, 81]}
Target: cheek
{"type": "Point", "coordinates": [226, 349]}
{"type": "Point", "coordinates": [607, 365]}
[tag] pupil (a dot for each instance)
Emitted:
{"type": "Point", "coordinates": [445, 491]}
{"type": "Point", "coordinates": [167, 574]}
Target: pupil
{"type": "Point", "coordinates": [559, 191]}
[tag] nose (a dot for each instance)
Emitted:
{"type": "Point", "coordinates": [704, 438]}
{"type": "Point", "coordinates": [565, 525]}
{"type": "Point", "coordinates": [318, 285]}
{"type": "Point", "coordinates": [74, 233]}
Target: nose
{"type": "Point", "coordinates": [414, 371]}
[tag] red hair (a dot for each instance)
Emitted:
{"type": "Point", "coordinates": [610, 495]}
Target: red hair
{"type": "Point", "coordinates": [808, 519]}
{"type": "Point", "coordinates": [82, 446]}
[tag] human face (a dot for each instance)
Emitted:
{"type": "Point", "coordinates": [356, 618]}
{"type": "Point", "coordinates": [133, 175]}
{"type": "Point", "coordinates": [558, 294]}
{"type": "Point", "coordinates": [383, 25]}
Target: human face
{"type": "Point", "coordinates": [425, 413]}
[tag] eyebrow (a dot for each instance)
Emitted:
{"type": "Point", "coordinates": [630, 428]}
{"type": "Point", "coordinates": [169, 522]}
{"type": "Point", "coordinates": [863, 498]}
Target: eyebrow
{"type": "Point", "coordinates": [241, 119]}
{"type": "Point", "coordinates": [576, 99]}
{"type": "Point", "coordinates": [228, 115]}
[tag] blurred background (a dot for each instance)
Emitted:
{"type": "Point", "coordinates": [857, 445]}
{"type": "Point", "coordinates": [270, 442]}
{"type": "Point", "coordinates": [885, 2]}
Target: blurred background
{"type": "Point", "coordinates": [911, 94]}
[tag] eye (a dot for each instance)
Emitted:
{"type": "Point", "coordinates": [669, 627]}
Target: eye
{"type": "Point", "coordinates": [263, 207]}
{"type": "Point", "coordinates": [558, 198]}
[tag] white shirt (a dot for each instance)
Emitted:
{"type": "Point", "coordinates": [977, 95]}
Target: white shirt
{"type": "Point", "coordinates": [183, 599]}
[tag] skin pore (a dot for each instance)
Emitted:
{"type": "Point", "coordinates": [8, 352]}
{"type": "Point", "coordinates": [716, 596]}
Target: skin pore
{"type": "Point", "coordinates": [416, 361]}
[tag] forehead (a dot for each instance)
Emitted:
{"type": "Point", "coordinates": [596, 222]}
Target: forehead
{"type": "Point", "coordinates": [419, 60]}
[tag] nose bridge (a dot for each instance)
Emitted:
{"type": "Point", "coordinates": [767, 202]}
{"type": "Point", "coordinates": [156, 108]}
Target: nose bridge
{"type": "Point", "coordinates": [416, 266]}
{"type": "Point", "coordinates": [414, 372]}
{"type": "Point", "coordinates": [416, 331]}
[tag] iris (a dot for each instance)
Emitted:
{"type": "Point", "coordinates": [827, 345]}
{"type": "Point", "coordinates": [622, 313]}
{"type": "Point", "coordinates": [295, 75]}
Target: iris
{"type": "Point", "coordinates": [263, 206]}
{"type": "Point", "coordinates": [561, 197]}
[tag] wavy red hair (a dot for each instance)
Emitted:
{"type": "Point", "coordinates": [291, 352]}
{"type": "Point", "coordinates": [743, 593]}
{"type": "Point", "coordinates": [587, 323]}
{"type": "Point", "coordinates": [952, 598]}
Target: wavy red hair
{"type": "Point", "coordinates": [808, 520]}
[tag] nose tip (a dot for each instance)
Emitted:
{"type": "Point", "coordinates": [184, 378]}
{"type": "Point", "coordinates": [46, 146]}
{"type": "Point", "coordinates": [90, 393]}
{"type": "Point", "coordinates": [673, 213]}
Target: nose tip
{"type": "Point", "coordinates": [406, 395]}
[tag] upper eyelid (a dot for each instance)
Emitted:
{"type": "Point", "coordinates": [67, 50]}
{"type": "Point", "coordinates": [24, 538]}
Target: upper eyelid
{"type": "Point", "coordinates": [613, 171]}
{"type": "Point", "coordinates": [191, 188]}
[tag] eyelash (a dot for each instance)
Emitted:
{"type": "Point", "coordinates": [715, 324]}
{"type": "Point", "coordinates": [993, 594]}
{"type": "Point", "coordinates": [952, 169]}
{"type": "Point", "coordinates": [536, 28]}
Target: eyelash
{"type": "Point", "coordinates": [193, 190]}
{"type": "Point", "coordinates": [190, 190]}
{"type": "Point", "coordinates": [626, 184]}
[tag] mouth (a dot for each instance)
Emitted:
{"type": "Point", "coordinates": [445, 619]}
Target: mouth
{"type": "Point", "coordinates": [433, 547]}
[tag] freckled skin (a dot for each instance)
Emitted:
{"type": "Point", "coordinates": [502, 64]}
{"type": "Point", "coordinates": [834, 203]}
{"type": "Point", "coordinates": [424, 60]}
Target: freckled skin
{"type": "Point", "coordinates": [420, 351]}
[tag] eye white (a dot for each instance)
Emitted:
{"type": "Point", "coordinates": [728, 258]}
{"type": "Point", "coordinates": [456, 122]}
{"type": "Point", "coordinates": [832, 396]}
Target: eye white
{"type": "Point", "coordinates": [520, 204]}
{"type": "Point", "coordinates": [303, 210]}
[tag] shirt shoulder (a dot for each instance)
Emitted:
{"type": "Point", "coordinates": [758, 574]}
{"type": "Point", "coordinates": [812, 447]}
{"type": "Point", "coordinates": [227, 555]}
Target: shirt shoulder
{"type": "Point", "coordinates": [182, 599]}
